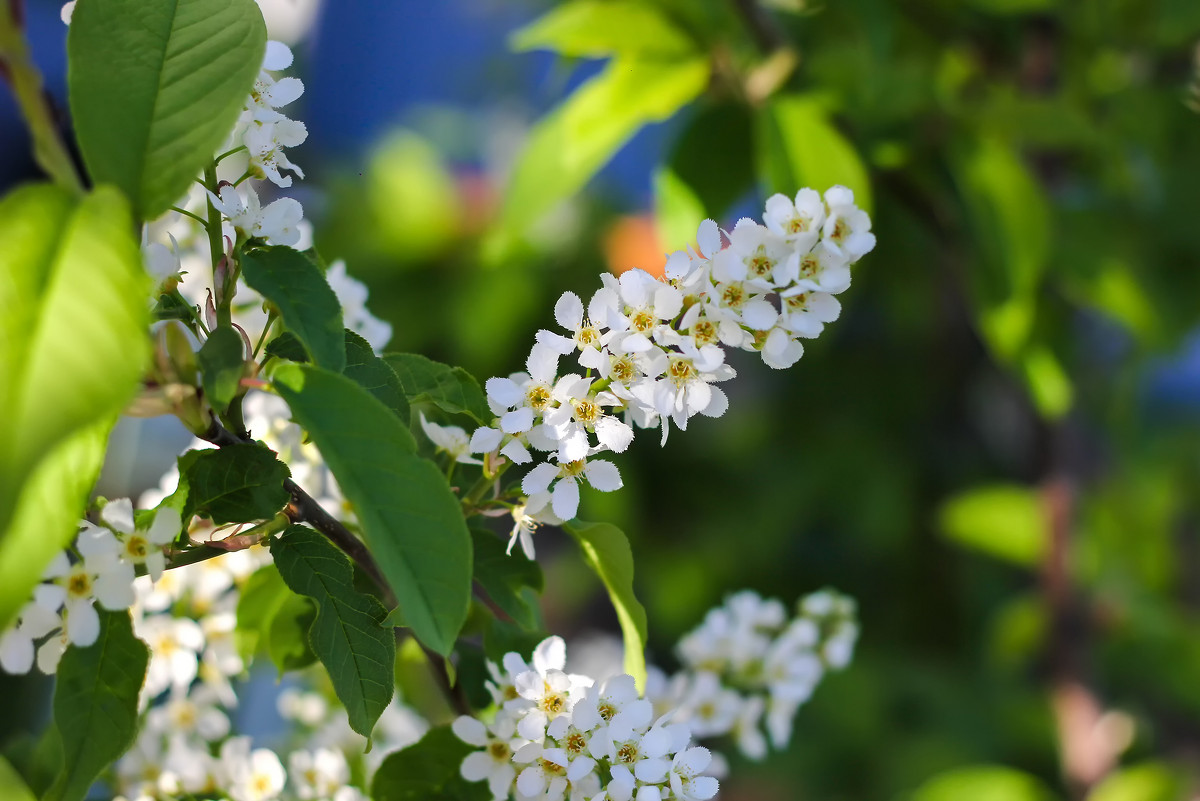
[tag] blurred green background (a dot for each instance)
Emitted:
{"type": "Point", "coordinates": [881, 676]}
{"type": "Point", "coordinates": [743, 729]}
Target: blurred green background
{"type": "Point", "coordinates": [994, 450]}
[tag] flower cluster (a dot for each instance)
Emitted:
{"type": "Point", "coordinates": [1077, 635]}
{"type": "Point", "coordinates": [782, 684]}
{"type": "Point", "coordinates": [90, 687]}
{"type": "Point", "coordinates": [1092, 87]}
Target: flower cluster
{"type": "Point", "coordinates": [557, 735]}
{"type": "Point", "coordinates": [63, 607]}
{"type": "Point", "coordinates": [748, 664]}
{"type": "Point", "coordinates": [652, 351]}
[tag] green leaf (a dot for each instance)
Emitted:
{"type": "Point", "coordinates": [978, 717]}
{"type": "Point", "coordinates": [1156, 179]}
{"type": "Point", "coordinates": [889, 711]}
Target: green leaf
{"type": "Point", "coordinates": [983, 783]}
{"type": "Point", "coordinates": [307, 304]}
{"type": "Point", "coordinates": [47, 514]}
{"type": "Point", "coordinates": [1048, 383]}
{"type": "Point", "coordinates": [273, 620]}
{"type": "Point", "coordinates": [347, 637]}
{"type": "Point", "coordinates": [677, 210]}
{"type": "Point", "coordinates": [12, 786]}
{"type": "Point", "coordinates": [234, 484]}
{"type": "Point", "coordinates": [799, 146]}
{"type": "Point", "coordinates": [726, 128]}
{"type": "Point", "coordinates": [1012, 221]}
{"type": "Point", "coordinates": [597, 28]}
{"type": "Point", "coordinates": [73, 348]}
{"type": "Point", "coordinates": [608, 553]}
{"type": "Point", "coordinates": [503, 576]}
{"type": "Point", "coordinates": [1149, 781]}
{"type": "Point", "coordinates": [375, 375]}
{"type": "Point", "coordinates": [428, 771]}
{"type": "Point", "coordinates": [287, 640]}
{"type": "Point", "coordinates": [411, 520]}
{"type": "Point", "coordinates": [287, 346]}
{"type": "Point", "coordinates": [451, 389]}
{"type": "Point", "coordinates": [156, 88]}
{"type": "Point", "coordinates": [222, 360]}
{"type": "Point", "coordinates": [1004, 521]}
{"type": "Point", "coordinates": [96, 704]}
{"type": "Point", "coordinates": [568, 146]}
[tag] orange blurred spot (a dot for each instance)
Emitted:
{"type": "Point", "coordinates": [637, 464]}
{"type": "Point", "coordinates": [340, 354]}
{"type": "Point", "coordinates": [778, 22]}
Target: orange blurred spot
{"type": "Point", "coordinates": [632, 241]}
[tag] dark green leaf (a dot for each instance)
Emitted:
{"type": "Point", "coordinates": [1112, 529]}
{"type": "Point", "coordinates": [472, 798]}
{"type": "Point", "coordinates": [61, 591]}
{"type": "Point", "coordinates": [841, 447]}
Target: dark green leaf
{"type": "Point", "coordinates": [96, 704]}
{"type": "Point", "coordinates": [799, 146]}
{"type": "Point", "coordinates": [593, 28]}
{"type": "Point", "coordinates": [73, 349]}
{"type": "Point", "coordinates": [307, 304]}
{"type": "Point", "coordinates": [428, 771]}
{"type": "Point", "coordinates": [411, 520]}
{"type": "Point", "coordinates": [287, 346]}
{"type": "Point", "coordinates": [375, 375]}
{"type": "Point", "coordinates": [234, 484]}
{"type": "Point", "coordinates": [502, 576]}
{"type": "Point", "coordinates": [156, 88]}
{"type": "Point", "coordinates": [501, 637]}
{"type": "Point", "coordinates": [725, 128]}
{"type": "Point", "coordinates": [347, 637]}
{"type": "Point", "coordinates": [608, 553]}
{"type": "Point", "coordinates": [222, 360]}
{"type": "Point", "coordinates": [451, 389]}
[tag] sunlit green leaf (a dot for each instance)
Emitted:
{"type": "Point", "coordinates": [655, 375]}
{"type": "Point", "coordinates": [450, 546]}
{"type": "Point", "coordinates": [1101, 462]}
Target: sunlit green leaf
{"type": "Point", "coordinates": [12, 786]}
{"type": "Point", "coordinates": [73, 348]}
{"type": "Point", "coordinates": [1005, 521]}
{"type": "Point", "coordinates": [983, 783]}
{"type": "Point", "coordinates": [347, 637]}
{"type": "Point", "coordinates": [261, 598]}
{"type": "Point", "coordinates": [1048, 383]}
{"type": "Point", "coordinates": [428, 771]}
{"type": "Point", "coordinates": [799, 146]}
{"type": "Point", "coordinates": [411, 520]}
{"type": "Point", "coordinates": [451, 389]}
{"type": "Point", "coordinates": [307, 304]}
{"type": "Point", "coordinates": [677, 210]}
{"type": "Point", "coordinates": [608, 553]}
{"type": "Point", "coordinates": [234, 484]}
{"type": "Point", "coordinates": [569, 145]}
{"type": "Point", "coordinates": [1149, 781]}
{"type": "Point", "coordinates": [597, 28]}
{"type": "Point", "coordinates": [96, 704]}
{"type": "Point", "coordinates": [157, 87]}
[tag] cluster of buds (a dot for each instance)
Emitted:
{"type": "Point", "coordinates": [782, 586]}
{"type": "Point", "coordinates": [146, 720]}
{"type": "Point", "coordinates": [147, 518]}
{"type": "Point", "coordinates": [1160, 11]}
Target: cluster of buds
{"type": "Point", "coordinates": [652, 350]}
{"type": "Point", "coordinates": [557, 735]}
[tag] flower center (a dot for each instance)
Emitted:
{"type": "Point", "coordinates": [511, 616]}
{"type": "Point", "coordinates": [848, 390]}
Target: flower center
{"type": "Point", "coordinates": [586, 411]}
{"type": "Point", "coordinates": [551, 768]}
{"type": "Point", "coordinates": [576, 744]}
{"type": "Point", "coordinates": [642, 321]}
{"type": "Point", "coordinates": [499, 751]}
{"type": "Point", "coordinates": [587, 337]}
{"type": "Point", "coordinates": [571, 469]}
{"type": "Point", "coordinates": [136, 547]}
{"type": "Point", "coordinates": [760, 263]}
{"type": "Point", "coordinates": [79, 584]}
{"type": "Point", "coordinates": [840, 231]}
{"type": "Point", "coordinates": [607, 711]}
{"type": "Point", "coordinates": [809, 265]}
{"type": "Point", "coordinates": [623, 369]}
{"type": "Point", "coordinates": [704, 332]}
{"type": "Point", "coordinates": [681, 370]}
{"type": "Point", "coordinates": [733, 296]}
{"type": "Point", "coordinates": [627, 753]}
{"type": "Point", "coordinates": [538, 397]}
{"type": "Point", "coordinates": [798, 302]}
{"type": "Point", "coordinates": [797, 225]}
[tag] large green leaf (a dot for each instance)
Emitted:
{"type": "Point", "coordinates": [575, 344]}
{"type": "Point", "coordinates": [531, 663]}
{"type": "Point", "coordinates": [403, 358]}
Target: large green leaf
{"type": "Point", "coordinates": [73, 341]}
{"type": "Point", "coordinates": [608, 553]}
{"type": "Point", "coordinates": [12, 786]}
{"type": "Point", "coordinates": [156, 88]}
{"type": "Point", "coordinates": [428, 771]}
{"type": "Point", "coordinates": [411, 520]}
{"type": "Point", "coordinates": [96, 704]}
{"type": "Point", "coordinates": [234, 484]}
{"type": "Point", "coordinates": [596, 28]}
{"type": "Point", "coordinates": [799, 146]}
{"type": "Point", "coordinates": [1005, 521]}
{"type": "Point", "coordinates": [569, 145]}
{"type": "Point", "coordinates": [504, 577]}
{"type": "Point", "coordinates": [451, 389]}
{"type": "Point", "coordinates": [347, 637]}
{"type": "Point", "coordinates": [375, 375]}
{"type": "Point", "coordinates": [677, 210]}
{"type": "Point", "coordinates": [47, 514]}
{"type": "Point", "coordinates": [1148, 781]}
{"type": "Point", "coordinates": [306, 302]}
